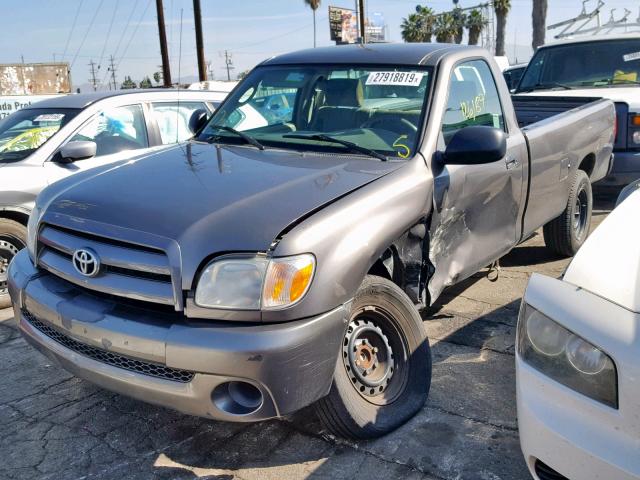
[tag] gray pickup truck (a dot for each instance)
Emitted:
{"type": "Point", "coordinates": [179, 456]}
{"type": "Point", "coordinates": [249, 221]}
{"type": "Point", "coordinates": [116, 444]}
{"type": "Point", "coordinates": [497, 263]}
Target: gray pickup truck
{"type": "Point", "coordinates": [256, 270]}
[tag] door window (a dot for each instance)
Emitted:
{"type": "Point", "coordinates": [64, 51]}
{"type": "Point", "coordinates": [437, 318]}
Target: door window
{"type": "Point", "coordinates": [473, 99]}
{"type": "Point", "coordinates": [173, 119]}
{"type": "Point", "coordinates": [115, 130]}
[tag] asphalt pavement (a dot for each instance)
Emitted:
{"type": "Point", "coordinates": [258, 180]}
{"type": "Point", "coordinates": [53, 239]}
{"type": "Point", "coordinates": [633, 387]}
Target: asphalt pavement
{"type": "Point", "coordinates": [55, 426]}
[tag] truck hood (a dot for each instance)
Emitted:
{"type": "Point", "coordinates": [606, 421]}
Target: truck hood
{"type": "Point", "coordinates": [209, 199]}
{"type": "Point", "coordinates": [628, 95]}
{"type": "Point", "coordinates": [608, 264]}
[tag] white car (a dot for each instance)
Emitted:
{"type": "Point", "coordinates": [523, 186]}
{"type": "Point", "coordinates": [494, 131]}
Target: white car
{"type": "Point", "coordinates": [578, 359]}
{"type": "Point", "coordinates": [52, 139]}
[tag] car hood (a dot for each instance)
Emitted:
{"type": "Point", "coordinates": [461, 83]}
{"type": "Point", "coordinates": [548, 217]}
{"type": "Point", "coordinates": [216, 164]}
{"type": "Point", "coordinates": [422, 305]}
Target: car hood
{"type": "Point", "coordinates": [628, 95]}
{"type": "Point", "coordinates": [209, 199]}
{"type": "Point", "coordinates": [608, 264]}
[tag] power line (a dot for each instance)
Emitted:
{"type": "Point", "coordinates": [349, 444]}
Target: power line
{"type": "Point", "coordinates": [135, 30]}
{"type": "Point", "coordinates": [86, 34]}
{"type": "Point", "coordinates": [106, 40]}
{"type": "Point", "coordinates": [126, 27]}
{"type": "Point", "coordinates": [73, 26]}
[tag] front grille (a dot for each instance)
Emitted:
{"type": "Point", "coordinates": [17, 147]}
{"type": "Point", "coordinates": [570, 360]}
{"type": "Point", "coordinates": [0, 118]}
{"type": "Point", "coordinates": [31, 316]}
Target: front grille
{"type": "Point", "coordinates": [109, 358]}
{"type": "Point", "coordinates": [545, 472]}
{"type": "Point", "coordinates": [126, 270]}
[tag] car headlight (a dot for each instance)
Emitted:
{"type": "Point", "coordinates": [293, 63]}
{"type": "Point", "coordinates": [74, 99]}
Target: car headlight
{"type": "Point", "coordinates": [252, 283]}
{"type": "Point", "coordinates": [566, 357]}
{"type": "Point", "coordinates": [32, 232]}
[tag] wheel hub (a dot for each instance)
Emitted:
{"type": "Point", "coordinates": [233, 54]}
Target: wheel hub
{"type": "Point", "coordinates": [580, 212]}
{"type": "Point", "coordinates": [7, 251]}
{"type": "Point", "coordinates": [367, 357]}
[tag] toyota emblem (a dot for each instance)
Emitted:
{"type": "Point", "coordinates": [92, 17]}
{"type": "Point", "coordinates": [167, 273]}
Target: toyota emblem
{"type": "Point", "coordinates": [86, 262]}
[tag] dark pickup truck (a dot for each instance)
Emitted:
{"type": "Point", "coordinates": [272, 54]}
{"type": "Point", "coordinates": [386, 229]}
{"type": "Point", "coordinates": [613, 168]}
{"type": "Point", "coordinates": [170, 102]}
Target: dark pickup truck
{"type": "Point", "coordinates": [279, 260]}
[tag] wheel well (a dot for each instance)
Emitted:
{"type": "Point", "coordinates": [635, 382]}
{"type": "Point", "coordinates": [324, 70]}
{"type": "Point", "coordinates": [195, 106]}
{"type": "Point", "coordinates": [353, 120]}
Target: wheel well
{"type": "Point", "coordinates": [380, 270]}
{"type": "Point", "coordinates": [19, 217]}
{"type": "Point", "coordinates": [587, 164]}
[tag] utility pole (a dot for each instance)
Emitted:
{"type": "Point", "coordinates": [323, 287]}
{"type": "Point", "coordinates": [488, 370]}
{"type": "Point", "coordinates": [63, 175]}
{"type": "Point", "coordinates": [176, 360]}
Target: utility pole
{"type": "Point", "coordinates": [228, 62]}
{"type": "Point", "coordinates": [362, 20]}
{"type": "Point", "coordinates": [164, 51]}
{"type": "Point", "coordinates": [112, 69]}
{"type": "Point", "coordinates": [210, 69]}
{"type": "Point", "coordinates": [197, 14]}
{"type": "Point", "coordinates": [94, 80]}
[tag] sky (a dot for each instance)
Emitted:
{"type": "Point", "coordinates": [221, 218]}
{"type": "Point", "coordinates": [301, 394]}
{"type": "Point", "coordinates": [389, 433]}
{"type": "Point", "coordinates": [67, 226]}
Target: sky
{"type": "Point", "coordinates": [80, 31]}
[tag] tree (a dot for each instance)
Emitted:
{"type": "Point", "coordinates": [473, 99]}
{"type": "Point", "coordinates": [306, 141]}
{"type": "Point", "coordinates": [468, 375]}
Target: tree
{"type": "Point", "coordinates": [501, 8]}
{"type": "Point", "coordinates": [243, 74]}
{"type": "Point", "coordinates": [427, 19]}
{"type": "Point", "coordinates": [128, 83]}
{"type": "Point", "coordinates": [459, 23]}
{"type": "Point", "coordinates": [475, 23]}
{"type": "Point", "coordinates": [411, 29]}
{"type": "Point", "coordinates": [444, 28]}
{"type": "Point", "coordinates": [157, 77]}
{"type": "Point", "coordinates": [146, 83]}
{"type": "Point", "coordinates": [538, 22]}
{"type": "Point", "coordinates": [314, 5]}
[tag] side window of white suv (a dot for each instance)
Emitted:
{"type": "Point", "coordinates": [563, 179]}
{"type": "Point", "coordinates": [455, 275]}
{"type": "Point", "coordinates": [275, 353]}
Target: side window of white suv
{"type": "Point", "coordinates": [116, 130]}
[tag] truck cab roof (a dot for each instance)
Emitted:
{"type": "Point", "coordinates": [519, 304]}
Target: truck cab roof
{"type": "Point", "coordinates": [411, 54]}
{"type": "Point", "coordinates": [592, 38]}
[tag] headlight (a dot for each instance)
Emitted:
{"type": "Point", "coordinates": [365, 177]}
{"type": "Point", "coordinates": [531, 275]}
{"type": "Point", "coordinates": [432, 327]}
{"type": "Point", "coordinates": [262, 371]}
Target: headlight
{"type": "Point", "coordinates": [566, 357]}
{"type": "Point", "coordinates": [251, 283]}
{"type": "Point", "coordinates": [636, 137]}
{"type": "Point", "coordinates": [32, 232]}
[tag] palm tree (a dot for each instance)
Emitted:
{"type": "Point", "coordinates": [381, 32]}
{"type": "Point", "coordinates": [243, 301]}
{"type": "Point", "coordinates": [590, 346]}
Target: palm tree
{"type": "Point", "coordinates": [459, 22]}
{"type": "Point", "coordinates": [427, 15]}
{"type": "Point", "coordinates": [411, 29]}
{"type": "Point", "coordinates": [445, 28]}
{"type": "Point", "coordinates": [501, 8]}
{"type": "Point", "coordinates": [475, 23]}
{"type": "Point", "coordinates": [314, 5]}
{"type": "Point", "coordinates": [538, 21]}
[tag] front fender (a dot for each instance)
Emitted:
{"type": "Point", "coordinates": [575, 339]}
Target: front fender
{"type": "Point", "coordinates": [350, 235]}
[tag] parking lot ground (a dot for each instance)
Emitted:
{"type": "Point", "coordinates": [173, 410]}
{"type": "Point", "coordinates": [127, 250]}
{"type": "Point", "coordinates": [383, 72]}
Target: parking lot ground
{"type": "Point", "coordinates": [54, 426]}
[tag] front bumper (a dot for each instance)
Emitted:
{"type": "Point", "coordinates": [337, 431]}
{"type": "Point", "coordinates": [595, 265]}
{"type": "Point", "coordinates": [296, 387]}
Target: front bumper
{"type": "Point", "coordinates": [129, 350]}
{"type": "Point", "coordinates": [578, 437]}
{"type": "Point", "coordinates": [625, 169]}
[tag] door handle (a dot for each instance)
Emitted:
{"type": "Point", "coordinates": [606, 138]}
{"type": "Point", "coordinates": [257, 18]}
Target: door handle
{"type": "Point", "coordinates": [512, 162]}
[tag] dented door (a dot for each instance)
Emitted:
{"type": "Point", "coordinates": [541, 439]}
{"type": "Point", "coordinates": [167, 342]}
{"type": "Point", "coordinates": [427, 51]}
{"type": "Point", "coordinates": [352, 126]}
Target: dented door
{"type": "Point", "coordinates": [476, 207]}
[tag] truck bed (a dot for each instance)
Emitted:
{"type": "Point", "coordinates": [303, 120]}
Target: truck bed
{"type": "Point", "coordinates": [561, 133]}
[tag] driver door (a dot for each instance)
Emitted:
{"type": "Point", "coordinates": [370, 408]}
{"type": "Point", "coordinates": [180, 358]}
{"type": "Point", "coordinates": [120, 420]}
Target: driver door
{"type": "Point", "coordinates": [119, 133]}
{"type": "Point", "coordinates": [476, 207]}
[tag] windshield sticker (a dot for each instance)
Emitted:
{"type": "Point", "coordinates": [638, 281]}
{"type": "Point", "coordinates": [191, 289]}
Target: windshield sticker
{"type": "Point", "coordinates": [410, 79]}
{"type": "Point", "coordinates": [49, 117]}
{"type": "Point", "coordinates": [631, 56]}
{"type": "Point", "coordinates": [473, 108]}
{"type": "Point", "coordinates": [403, 150]}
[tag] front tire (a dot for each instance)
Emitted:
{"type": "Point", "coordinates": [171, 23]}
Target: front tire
{"type": "Point", "coordinates": [383, 373]}
{"type": "Point", "coordinates": [565, 234]}
{"type": "Point", "coordinates": [13, 238]}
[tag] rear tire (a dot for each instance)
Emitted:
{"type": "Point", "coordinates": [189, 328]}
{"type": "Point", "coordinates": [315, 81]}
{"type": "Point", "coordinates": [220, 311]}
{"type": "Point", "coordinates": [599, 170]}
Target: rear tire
{"type": "Point", "coordinates": [565, 234]}
{"type": "Point", "coordinates": [13, 238]}
{"type": "Point", "coordinates": [383, 373]}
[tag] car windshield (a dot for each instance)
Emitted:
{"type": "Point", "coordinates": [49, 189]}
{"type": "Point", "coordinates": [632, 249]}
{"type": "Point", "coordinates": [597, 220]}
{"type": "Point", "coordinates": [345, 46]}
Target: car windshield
{"type": "Point", "coordinates": [584, 65]}
{"type": "Point", "coordinates": [24, 131]}
{"type": "Point", "coordinates": [379, 109]}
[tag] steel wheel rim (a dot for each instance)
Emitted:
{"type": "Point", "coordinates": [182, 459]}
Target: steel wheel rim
{"type": "Point", "coordinates": [580, 211]}
{"type": "Point", "coordinates": [374, 355]}
{"type": "Point", "coordinates": [9, 247]}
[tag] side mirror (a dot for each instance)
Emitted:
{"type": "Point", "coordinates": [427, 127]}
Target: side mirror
{"type": "Point", "coordinates": [198, 120]}
{"type": "Point", "coordinates": [74, 151]}
{"type": "Point", "coordinates": [475, 145]}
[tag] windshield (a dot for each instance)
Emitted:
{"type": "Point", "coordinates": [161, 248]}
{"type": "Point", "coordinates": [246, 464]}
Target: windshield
{"type": "Point", "coordinates": [376, 108]}
{"type": "Point", "coordinates": [24, 131]}
{"type": "Point", "coordinates": [584, 65]}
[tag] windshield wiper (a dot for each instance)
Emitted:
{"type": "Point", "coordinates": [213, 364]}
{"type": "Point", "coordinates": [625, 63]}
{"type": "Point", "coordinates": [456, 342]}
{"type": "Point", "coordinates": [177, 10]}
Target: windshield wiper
{"type": "Point", "coordinates": [542, 86]}
{"type": "Point", "coordinates": [611, 81]}
{"type": "Point", "coordinates": [329, 139]}
{"type": "Point", "coordinates": [247, 138]}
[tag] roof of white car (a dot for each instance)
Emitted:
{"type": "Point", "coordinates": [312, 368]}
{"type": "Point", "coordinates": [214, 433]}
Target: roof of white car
{"type": "Point", "coordinates": [83, 100]}
{"type": "Point", "coordinates": [593, 38]}
{"type": "Point", "coordinates": [608, 264]}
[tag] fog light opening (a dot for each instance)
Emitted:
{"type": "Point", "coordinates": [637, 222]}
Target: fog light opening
{"type": "Point", "coordinates": [237, 398]}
